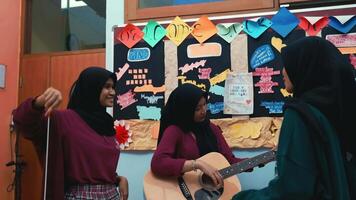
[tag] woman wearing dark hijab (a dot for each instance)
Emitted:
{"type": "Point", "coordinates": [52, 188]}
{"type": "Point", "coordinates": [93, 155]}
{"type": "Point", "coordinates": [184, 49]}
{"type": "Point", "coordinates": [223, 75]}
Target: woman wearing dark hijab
{"type": "Point", "coordinates": [316, 149]}
{"type": "Point", "coordinates": [83, 153]}
{"type": "Point", "coordinates": [186, 134]}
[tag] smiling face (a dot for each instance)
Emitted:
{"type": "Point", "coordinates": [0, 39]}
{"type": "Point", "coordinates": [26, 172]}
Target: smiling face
{"type": "Point", "coordinates": [287, 83]}
{"type": "Point", "coordinates": [107, 94]}
{"type": "Point", "coordinates": [200, 110]}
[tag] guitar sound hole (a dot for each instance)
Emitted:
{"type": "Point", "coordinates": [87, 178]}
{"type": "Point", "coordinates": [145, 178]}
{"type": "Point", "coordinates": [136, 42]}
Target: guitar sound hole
{"type": "Point", "coordinates": [207, 182]}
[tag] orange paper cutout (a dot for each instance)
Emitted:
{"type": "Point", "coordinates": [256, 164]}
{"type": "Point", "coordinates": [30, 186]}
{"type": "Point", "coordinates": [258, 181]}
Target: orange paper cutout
{"type": "Point", "coordinates": [150, 88]}
{"type": "Point", "coordinates": [155, 131]}
{"type": "Point", "coordinates": [203, 29]}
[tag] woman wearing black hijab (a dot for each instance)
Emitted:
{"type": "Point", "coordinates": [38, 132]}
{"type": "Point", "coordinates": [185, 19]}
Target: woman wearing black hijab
{"type": "Point", "coordinates": [186, 134]}
{"type": "Point", "coordinates": [316, 149]}
{"type": "Point", "coordinates": [83, 152]}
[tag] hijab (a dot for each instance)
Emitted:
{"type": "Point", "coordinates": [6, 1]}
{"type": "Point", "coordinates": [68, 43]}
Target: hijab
{"type": "Point", "coordinates": [85, 99]}
{"type": "Point", "coordinates": [179, 110]}
{"type": "Point", "coordinates": [324, 78]}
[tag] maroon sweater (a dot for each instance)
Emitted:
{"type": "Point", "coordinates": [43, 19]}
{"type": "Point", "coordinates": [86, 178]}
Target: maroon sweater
{"type": "Point", "coordinates": [77, 154]}
{"type": "Point", "coordinates": [176, 147]}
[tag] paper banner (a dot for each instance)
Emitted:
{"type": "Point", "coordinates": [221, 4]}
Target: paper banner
{"type": "Point", "coordinates": [238, 98]}
{"type": "Point", "coordinates": [149, 88]}
{"type": "Point", "coordinates": [215, 108]}
{"type": "Point", "coordinates": [138, 54]}
{"type": "Point", "coordinates": [261, 56]}
{"type": "Point", "coordinates": [154, 32]}
{"type": "Point", "coordinates": [342, 23]}
{"type": "Point", "coordinates": [283, 22]}
{"type": "Point", "coordinates": [256, 28]}
{"type": "Point", "coordinates": [150, 112]}
{"type": "Point", "coordinates": [129, 35]}
{"type": "Point", "coordinates": [265, 83]}
{"type": "Point", "coordinates": [229, 33]}
{"type": "Point", "coordinates": [122, 71]}
{"type": "Point", "coordinates": [189, 67]}
{"type": "Point", "coordinates": [342, 40]}
{"type": "Point", "coordinates": [219, 78]}
{"type": "Point", "coordinates": [126, 99]}
{"type": "Point", "coordinates": [178, 30]}
{"type": "Point", "coordinates": [217, 90]}
{"type": "Point", "coordinates": [273, 107]}
{"type": "Point", "coordinates": [313, 25]}
{"type": "Point", "coordinates": [203, 29]}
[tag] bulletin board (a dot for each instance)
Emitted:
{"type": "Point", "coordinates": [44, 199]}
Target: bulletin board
{"type": "Point", "coordinates": [149, 68]}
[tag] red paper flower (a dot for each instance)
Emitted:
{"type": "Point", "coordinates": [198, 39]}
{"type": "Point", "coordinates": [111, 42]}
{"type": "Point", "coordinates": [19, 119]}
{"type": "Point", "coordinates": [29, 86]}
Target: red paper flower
{"type": "Point", "coordinates": [123, 134]}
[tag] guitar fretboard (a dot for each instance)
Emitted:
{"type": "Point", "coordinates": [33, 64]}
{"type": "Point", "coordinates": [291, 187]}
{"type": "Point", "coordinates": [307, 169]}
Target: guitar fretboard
{"type": "Point", "coordinates": [247, 164]}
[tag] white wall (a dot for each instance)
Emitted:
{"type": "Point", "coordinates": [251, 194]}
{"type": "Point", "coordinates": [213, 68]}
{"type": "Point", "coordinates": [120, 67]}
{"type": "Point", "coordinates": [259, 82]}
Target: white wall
{"type": "Point", "coordinates": [134, 164]}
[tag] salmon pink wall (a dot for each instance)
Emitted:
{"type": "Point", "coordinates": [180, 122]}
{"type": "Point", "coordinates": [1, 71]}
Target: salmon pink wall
{"type": "Point", "coordinates": [10, 56]}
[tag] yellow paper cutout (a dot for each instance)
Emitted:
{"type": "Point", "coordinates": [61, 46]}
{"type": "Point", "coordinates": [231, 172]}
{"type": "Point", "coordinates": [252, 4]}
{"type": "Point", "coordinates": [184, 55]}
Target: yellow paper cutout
{"type": "Point", "coordinates": [183, 79]}
{"type": "Point", "coordinates": [203, 29]}
{"type": "Point", "coordinates": [155, 131]}
{"type": "Point", "coordinates": [219, 78]}
{"type": "Point", "coordinates": [150, 88]}
{"type": "Point", "coordinates": [178, 30]}
{"type": "Point", "coordinates": [285, 93]}
{"type": "Point", "coordinates": [247, 130]}
{"type": "Point", "coordinates": [347, 50]}
{"type": "Point", "coordinates": [277, 43]}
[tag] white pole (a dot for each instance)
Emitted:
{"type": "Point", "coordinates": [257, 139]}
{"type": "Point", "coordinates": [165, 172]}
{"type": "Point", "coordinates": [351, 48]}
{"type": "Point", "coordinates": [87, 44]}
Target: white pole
{"type": "Point", "coordinates": [46, 161]}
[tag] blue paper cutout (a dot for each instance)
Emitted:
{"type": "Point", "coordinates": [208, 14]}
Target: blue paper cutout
{"type": "Point", "coordinates": [262, 55]}
{"type": "Point", "coordinates": [274, 107]}
{"type": "Point", "coordinates": [284, 22]}
{"type": "Point", "coordinates": [138, 54]}
{"type": "Point", "coordinates": [151, 99]}
{"type": "Point", "coordinates": [150, 112]}
{"type": "Point", "coordinates": [255, 29]}
{"type": "Point", "coordinates": [344, 28]}
{"type": "Point", "coordinates": [216, 107]}
{"type": "Point", "coordinates": [217, 89]}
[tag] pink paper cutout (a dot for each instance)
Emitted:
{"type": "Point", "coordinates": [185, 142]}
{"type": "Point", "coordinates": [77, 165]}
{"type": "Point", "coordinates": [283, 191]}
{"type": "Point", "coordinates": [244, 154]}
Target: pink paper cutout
{"type": "Point", "coordinates": [122, 71]}
{"type": "Point", "coordinates": [204, 73]}
{"type": "Point", "coordinates": [186, 68]}
{"type": "Point", "coordinates": [126, 99]}
{"type": "Point", "coordinates": [265, 84]}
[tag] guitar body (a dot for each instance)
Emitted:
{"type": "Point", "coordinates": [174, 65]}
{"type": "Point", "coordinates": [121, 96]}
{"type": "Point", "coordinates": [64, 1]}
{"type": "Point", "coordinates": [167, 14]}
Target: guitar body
{"type": "Point", "coordinates": [162, 188]}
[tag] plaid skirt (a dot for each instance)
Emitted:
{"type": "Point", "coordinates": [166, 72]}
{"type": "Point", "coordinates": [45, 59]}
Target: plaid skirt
{"type": "Point", "coordinates": [97, 192]}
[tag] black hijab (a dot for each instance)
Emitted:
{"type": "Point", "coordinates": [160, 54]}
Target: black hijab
{"type": "Point", "coordinates": [179, 110]}
{"type": "Point", "coordinates": [85, 99]}
{"type": "Point", "coordinates": [323, 77]}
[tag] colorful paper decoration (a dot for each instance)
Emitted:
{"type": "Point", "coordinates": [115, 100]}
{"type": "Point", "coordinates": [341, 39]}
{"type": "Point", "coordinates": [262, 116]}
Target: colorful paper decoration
{"type": "Point", "coordinates": [203, 29]}
{"type": "Point", "coordinates": [342, 40]}
{"type": "Point", "coordinates": [277, 43]}
{"type": "Point", "coordinates": [123, 133]}
{"type": "Point", "coordinates": [229, 33]}
{"type": "Point", "coordinates": [342, 23]}
{"type": "Point", "coordinates": [313, 25]}
{"type": "Point", "coordinates": [256, 28]}
{"type": "Point", "coordinates": [284, 22]}
{"type": "Point", "coordinates": [154, 32]}
{"type": "Point", "coordinates": [178, 30]}
{"type": "Point", "coordinates": [129, 35]}
{"type": "Point", "coordinates": [261, 56]}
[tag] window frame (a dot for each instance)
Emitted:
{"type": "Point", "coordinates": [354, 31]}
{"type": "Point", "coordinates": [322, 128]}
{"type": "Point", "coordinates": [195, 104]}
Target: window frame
{"type": "Point", "coordinates": [134, 14]}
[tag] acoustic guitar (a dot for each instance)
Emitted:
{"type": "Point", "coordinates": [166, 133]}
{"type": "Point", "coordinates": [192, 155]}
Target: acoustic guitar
{"type": "Point", "coordinates": [199, 185]}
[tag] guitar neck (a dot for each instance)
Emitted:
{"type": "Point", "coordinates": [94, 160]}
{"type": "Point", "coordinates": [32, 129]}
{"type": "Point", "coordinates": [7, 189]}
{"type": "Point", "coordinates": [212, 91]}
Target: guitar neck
{"type": "Point", "coordinates": [247, 164]}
